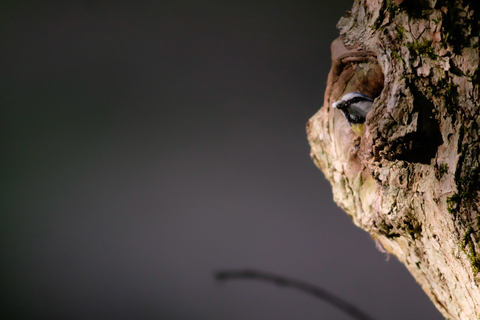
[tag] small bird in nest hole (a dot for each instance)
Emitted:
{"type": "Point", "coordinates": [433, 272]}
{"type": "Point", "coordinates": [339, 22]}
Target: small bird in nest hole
{"type": "Point", "coordinates": [355, 107]}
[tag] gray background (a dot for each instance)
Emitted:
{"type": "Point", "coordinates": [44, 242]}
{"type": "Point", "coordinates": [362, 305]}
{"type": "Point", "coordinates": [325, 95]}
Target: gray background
{"type": "Point", "coordinates": [149, 144]}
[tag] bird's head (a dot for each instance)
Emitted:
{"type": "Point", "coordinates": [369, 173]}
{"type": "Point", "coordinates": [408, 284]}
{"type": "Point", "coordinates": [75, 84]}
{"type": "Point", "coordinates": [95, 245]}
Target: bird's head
{"type": "Point", "coordinates": [354, 106]}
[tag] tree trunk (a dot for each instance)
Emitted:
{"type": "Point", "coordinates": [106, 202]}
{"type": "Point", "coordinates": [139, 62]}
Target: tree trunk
{"type": "Point", "coordinates": [412, 178]}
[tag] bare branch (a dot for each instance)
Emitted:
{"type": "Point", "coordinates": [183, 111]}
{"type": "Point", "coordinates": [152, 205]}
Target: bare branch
{"type": "Point", "coordinates": [302, 286]}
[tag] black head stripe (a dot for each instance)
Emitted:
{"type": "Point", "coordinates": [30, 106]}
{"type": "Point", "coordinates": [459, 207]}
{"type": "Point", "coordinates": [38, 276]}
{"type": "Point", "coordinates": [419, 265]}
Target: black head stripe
{"type": "Point", "coordinates": [358, 99]}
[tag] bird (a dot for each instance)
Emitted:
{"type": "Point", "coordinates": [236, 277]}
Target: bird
{"type": "Point", "coordinates": [355, 107]}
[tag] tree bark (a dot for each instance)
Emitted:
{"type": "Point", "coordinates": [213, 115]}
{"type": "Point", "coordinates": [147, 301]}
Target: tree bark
{"type": "Point", "coordinates": [412, 179]}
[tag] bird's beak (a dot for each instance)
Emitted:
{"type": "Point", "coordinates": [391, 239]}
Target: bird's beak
{"type": "Point", "coordinates": [338, 105]}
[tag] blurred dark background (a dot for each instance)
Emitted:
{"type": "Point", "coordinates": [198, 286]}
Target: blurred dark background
{"type": "Point", "coordinates": [148, 144]}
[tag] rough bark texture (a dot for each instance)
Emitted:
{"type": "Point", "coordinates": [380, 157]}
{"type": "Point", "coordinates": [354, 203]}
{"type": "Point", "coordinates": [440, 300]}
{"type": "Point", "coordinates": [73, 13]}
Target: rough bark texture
{"type": "Point", "coordinates": [412, 179]}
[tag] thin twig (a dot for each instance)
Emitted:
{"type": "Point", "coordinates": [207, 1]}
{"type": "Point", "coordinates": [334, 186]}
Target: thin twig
{"type": "Point", "coordinates": [282, 281]}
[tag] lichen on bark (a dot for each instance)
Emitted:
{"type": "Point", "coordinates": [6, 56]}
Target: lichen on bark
{"type": "Point", "coordinates": [412, 179]}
